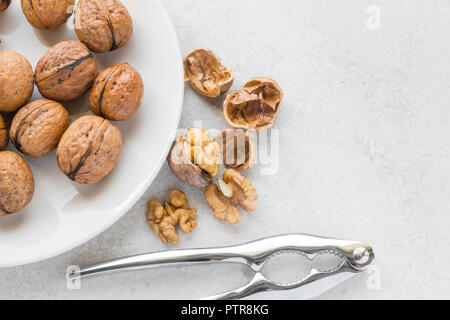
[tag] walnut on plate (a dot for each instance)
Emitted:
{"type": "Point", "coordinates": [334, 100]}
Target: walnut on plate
{"type": "Point", "coordinates": [47, 14]}
{"type": "Point", "coordinates": [255, 105]}
{"type": "Point", "coordinates": [238, 148]}
{"type": "Point", "coordinates": [66, 71]}
{"type": "Point", "coordinates": [163, 220]}
{"type": "Point", "coordinates": [206, 74]}
{"type": "Point", "coordinates": [37, 127]}
{"type": "Point", "coordinates": [117, 93]}
{"type": "Point", "coordinates": [4, 137]}
{"type": "Point", "coordinates": [16, 81]}
{"type": "Point", "coordinates": [194, 158]}
{"type": "Point", "coordinates": [103, 25]}
{"type": "Point", "coordinates": [16, 183]}
{"type": "Point", "coordinates": [4, 4]}
{"type": "Point", "coordinates": [234, 190]}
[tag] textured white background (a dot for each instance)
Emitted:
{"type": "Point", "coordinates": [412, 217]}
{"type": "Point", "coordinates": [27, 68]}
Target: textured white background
{"type": "Point", "coordinates": [364, 148]}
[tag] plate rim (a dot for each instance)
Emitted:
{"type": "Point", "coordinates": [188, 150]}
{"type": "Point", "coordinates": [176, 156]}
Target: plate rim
{"type": "Point", "coordinates": [124, 208]}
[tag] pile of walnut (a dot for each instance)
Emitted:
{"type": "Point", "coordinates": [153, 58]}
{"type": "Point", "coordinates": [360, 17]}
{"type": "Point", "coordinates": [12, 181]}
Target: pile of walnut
{"type": "Point", "coordinates": [195, 156]}
{"type": "Point", "coordinates": [163, 220]}
{"type": "Point", "coordinates": [89, 148]}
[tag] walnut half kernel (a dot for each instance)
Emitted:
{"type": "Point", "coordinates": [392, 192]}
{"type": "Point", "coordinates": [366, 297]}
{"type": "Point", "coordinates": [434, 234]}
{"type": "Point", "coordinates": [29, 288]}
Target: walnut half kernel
{"type": "Point", "coordinates": [224, 203]}
{"type": "Point", "coordinates": [206, 74]}
{"type": "Point", "coordinates": [255, 105]}
{"type": "Point", "coordinates": [238, 148]}
{"type": "Point", "coordinates": [163, 220]}
{"type": "Point", "coordinates": [194, 158]}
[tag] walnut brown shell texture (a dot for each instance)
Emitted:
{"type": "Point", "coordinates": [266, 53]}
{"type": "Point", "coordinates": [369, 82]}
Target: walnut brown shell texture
{"type": "Point", "coordinates": [66, 71]}
{"type": "Point", "coordinates": [4, 4]}
{"type": "Point", "coordinates": [16, 183]}
{"type": "Point", "coordinates": [255, 105]}
{"type": "Point", "coordinates": [117, 93]}
{"type": "Point", "coordinates": [89, 149]}
{"type": "Point", "coordinates": [47, 14]}
{"type": "Point", "coordinates": [206, 74]}
{"type": "Point", "coordinates": [103, 25]}
{"type": "Point", "coordinates": [4, 138]}
{"type": "Point", "coordinates": [37, 128]}
{"type": "Point", "coordinates": [16, 81]}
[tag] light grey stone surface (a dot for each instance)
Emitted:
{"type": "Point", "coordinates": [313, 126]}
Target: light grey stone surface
{"type": "Point", "coordinates": [364, 149]}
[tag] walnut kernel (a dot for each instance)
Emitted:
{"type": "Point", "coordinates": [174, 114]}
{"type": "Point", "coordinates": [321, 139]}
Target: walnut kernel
{"type": "Point", "coordinates": [225, 208]}
{"type": "Point", "coordinates": [103, 25]}
{"type": "Point", "coordinates": [194, 158]}
{"type": "Point", "coordinates": [206, 74]}
{"type": "Point", "coordinates": [238, 148]}
{"type": "Point", "coordinates": [47, 14]}
{"type": "Point", "coordinates": [255, 105]}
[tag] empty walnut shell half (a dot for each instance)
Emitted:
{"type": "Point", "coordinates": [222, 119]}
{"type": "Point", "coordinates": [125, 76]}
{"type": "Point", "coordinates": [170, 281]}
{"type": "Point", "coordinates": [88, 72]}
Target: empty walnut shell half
{"type": "Point", "coordinates": [182, 166]}
{"type": "Point", "coordinates": [4, 138]}
{"type": "Point", "coordinates": [16, 183]}
{"type": "Point", "coordinates": [206, 74]}
{"type": "Point", "coordinates": [255, 105]}
{"type": "Point", "coordinates": [89, 149]}
{"type": "Point", "coordinates": [16, 81]}
{"type": "Point", "coordinates": [103, 25]}
{"type": "Point", "coordinates": [238, 148]}
{"type": "Point", "coordinates": [66, 71]}
{"type": "Point", "coordinates": [47, 14]}
{"type": "Point", "coordinates": [117, 93]}
{"type": "Point", "coordinates": [37, 128]}
{"type": "Point", "coordinates": [4, 4]}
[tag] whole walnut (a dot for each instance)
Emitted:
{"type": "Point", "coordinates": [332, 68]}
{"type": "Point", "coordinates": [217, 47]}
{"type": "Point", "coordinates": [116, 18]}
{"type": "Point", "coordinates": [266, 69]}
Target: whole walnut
{"type": "Point", "coordinates": [16, 183]}
{"type": "Point", "coordinates": [103, 25]}
{"type": "Point", "coordinates": [89, 149]}
{"type": "Point", "coordinates": [117, 93]}
{"type": "Point", "coordinates": [4, 4]}
{"type": "Point", "coordinates": [47, 14]}
{"type": "Point", "coordinates": [4, 139]}
{"type": "Point", "coordinates": [37, 128]}
{"type": "Point", "coordinates": [66, 71]}
{"type": "Point", "coordinates": [16, 81]}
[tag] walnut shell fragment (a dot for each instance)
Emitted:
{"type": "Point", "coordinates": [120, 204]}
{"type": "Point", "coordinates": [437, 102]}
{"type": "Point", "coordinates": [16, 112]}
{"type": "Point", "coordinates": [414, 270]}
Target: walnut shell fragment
{"type": "Point", "coordinates": [4, 4]}
{"type": "Point", "coordinates": [89, 149]}
{"type": "Point", "coordinates": [16, 183]}
{"type": "Point", "coordinates": [117, 93]}
{"type": "Point", "coordinates": [206, 74]}
{"type": "Point", "coordinates": [47, 14]}
{"type": "Point", "coordinates": [194, 158]}
{"type": "Point", "coordinates": [243, 194]}
{"type": "Point", "coordinates": [255, 105]}
{"type": "Point", "coordinates": [16, 81]}
{"type": "Point", "coordinates": [4, 137]}
{"type": "Point", "coordinates": [238, 148]}
{"type": "Point", "coordinates": [37, 128]}
{"type": "Point", "coordinates": [66, 71]}
{"type": "Point", "coordinates": [103, 25]}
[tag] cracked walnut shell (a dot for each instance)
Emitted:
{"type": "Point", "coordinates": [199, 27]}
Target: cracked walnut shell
{"type": "Point", "coordinates": [206, 74]}
{"type": "Point", "coordinates": [4, 137]}
{"type": "Point", "coordinates": [89, 149]}
{"type": "Point", "coordinates": [47, 14]}
{"type": "Point", "coordinates": [255, 105]}
{"type": "Point", "coordinates": [243, 194]}
{"type": "Point", "coordinates": [238, 148]}
{"type": "Point", "coordinates": [4, 4]}
{"type": "Point", "coordinates": [16, 81]}
{"type": "Point", "coordinates": [117, 93]}
{"type": "Point", "coordinates": [194, 158]}
{"type": "Point", "coordinates": [16, 183]}
{"type": "Point", "coordinates": [37, 128]}
{"type": "Point", "coordinates": [66, 71]}
{"type": "Point", "coordinates": [103, 25]}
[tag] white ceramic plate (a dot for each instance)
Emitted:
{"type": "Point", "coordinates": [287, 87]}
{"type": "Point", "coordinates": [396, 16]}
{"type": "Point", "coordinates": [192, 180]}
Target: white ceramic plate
{"type": "Point", "coordinates": [64, 215]}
